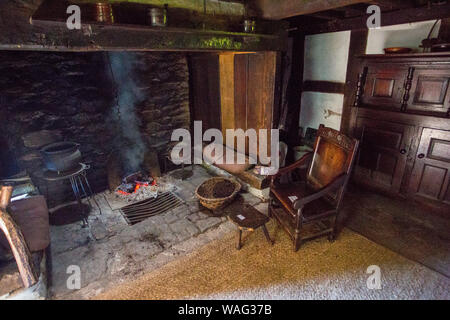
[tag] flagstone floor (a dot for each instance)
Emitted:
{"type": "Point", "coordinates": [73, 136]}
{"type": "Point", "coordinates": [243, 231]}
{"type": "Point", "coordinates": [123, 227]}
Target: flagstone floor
{"type": "Point", "coordinates": [109, 251]}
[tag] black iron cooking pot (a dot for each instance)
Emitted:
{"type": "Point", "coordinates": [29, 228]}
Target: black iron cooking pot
{"type": "Point", "coordinates": [61, 156]}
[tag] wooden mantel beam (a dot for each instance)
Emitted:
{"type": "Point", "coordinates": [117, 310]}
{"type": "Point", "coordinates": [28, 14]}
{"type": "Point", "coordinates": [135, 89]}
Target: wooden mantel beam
{"type": "Point", "coordinates": [281, 9]}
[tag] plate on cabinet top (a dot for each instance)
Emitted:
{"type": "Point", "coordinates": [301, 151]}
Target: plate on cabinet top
{"type": "Point", "coordinates": [397, 50]}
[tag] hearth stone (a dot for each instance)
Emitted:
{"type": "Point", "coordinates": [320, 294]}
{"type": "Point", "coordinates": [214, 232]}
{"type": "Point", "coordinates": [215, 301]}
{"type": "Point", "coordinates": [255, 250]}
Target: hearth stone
{"type": "Point", "coordinates": [124, 251]}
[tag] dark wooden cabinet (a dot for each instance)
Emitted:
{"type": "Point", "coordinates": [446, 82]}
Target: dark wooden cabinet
{"type": "Point", "coordinates": [401, 115]}
{"type": "Point", "coordinates": [383, 152]}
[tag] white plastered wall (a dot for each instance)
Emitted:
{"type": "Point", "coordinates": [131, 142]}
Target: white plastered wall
{"type": "Point", "coordinates": [326, 57]}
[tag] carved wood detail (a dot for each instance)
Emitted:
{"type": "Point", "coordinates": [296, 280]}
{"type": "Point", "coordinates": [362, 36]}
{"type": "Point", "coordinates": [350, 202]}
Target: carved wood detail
{"type": "Point", "coordinates": [407, 87]}
{"type": "Point", "coordinates": [360, 87]}
{"type": "Point", "coordinates": [337, 138]}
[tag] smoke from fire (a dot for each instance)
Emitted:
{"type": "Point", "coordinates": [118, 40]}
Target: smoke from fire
{"type": "Point", "coordinates": [123, 113]}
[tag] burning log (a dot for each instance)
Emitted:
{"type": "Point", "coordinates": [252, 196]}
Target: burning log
{"type": "Point", "coordinates": [16, 240]}
{"type": "Point", "coordinates": [133, 182]}
{"type": "Point", "coordinates": [139, 186]}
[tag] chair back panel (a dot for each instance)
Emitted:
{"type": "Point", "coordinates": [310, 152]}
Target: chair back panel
{"type": "Point", "coordinates": [333, 155]}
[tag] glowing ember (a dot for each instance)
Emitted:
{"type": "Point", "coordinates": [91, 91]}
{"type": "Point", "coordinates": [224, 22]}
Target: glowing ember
{"type": "Point", "coordinates": [132, 183]}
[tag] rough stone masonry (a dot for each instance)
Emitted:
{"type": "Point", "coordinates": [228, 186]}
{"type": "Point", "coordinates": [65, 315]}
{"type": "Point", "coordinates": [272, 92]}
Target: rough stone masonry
{"type": "Point", "coordinates": [46, 97]}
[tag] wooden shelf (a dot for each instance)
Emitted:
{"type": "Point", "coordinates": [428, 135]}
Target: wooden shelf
{"type": "Point", "coordinates": [406, 55]}
{"type": "Point", "coordinates": [128, 29]}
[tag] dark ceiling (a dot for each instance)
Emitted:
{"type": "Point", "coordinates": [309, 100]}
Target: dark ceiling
{"type": "Point", "coordinates": [354, 16]}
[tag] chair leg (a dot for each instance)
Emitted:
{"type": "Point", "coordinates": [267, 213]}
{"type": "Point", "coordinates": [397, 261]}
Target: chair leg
{"type": "Point", "coordinates": [333, 234]}
{"type": "Point", "coordinates": [331, 237]}
{"type": "Point", "coordinates": [297, 244]}
{"type": "Point", "coordinates": [297, 241]}
{"type": "Point", "coordinates": [269, 211]}
{"type": "Point", "coordinates": [298, 228]}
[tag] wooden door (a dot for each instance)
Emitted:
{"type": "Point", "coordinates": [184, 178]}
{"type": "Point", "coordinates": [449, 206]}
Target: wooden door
{"type": "Point", "coordinates": [430, 176]}
{"type": "Point", "coordinates": [384, 85]}
{"type": "Point", "coordinates": [247, 88]}
{"type": "Point", "coordinates": [383, 151]}
{"type": "Point", "coordinates": [430, 90]}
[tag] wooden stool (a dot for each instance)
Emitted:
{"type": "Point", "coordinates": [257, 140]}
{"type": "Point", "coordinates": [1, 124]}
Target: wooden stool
{"type": "Point", "coordinates": [249, 219]}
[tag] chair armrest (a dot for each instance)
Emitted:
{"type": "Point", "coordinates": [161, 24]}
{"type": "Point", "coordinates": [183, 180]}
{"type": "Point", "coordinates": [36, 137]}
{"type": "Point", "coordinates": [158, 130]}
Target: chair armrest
{"type": "Point", "coordinates": [336, 183]}
{"type": "Point", "coordinates": [291, 167]}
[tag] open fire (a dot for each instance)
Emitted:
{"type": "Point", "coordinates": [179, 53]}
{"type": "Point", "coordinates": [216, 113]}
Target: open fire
{"type": "Point", "coordinates": [132, 183]}
{"type": "Point", "coordinates": [140, 186]}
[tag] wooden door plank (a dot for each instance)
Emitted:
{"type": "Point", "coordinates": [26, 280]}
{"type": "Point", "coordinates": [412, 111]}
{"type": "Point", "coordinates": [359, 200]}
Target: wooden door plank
{"type": "Point", "coordinates": [226, 70]}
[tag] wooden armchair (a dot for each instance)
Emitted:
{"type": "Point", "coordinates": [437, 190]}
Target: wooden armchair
{"type": "Point", "coordinates": [308, 208]}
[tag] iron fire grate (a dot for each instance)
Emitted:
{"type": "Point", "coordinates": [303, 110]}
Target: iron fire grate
{"type": "Point", "coordinates": [141, 210]}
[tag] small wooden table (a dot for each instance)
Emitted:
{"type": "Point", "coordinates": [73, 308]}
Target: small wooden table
{"type": "Point", "coordinates": [249, 219]}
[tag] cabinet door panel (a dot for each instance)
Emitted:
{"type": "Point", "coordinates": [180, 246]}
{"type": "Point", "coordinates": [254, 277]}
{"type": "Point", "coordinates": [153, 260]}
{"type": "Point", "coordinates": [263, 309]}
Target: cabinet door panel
{"type": "Point", "coordinates": [383, 86]}
{"type": "Point", "coordinates": [429, 91]}
{"type": "Point", "coordinates": [430, 176]}
{"type": "Point", "coordinates": [383, 150]}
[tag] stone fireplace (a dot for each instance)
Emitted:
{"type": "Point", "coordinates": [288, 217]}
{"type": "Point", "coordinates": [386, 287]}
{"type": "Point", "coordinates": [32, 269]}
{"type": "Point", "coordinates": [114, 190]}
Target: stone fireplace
{"type": "Point", "coordinates": [91, 99]}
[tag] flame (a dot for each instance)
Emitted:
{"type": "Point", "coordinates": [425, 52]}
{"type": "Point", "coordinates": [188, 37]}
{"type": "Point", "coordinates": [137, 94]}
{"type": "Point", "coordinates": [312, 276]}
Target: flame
{"type": "Point", "coordinates": [137, 187]}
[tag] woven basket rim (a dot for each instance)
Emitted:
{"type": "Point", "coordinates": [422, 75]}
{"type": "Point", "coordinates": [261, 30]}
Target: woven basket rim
{"type": "Point", "coordinates": [212, 200]}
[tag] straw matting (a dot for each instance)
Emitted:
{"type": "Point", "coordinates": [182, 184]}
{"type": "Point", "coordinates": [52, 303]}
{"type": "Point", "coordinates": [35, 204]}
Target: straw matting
{"type": "Point", "coordinates": [319, 270]}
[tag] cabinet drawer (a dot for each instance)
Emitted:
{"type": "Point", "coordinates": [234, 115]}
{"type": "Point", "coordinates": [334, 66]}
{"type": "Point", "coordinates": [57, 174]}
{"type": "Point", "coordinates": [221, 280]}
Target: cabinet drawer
{"type": "Point", "coordinates": [430, 91]}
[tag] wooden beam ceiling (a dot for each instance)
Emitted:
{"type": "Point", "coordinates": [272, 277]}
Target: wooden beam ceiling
{"type": "Point", "coordinates": [394, 4]}
{"type": "Point", "coordinates": [388, 18]}
{"type": "Point", "coordinates": [281, 9]}
{"type": "Point", "coordinates": [352, 11]}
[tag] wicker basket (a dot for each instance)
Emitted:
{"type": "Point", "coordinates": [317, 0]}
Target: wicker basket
{"type": "Point", "coordinates": [210, 202]}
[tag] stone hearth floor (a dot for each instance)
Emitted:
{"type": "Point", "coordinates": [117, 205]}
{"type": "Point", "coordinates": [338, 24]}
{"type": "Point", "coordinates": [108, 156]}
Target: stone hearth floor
{"type": "Point", "coordinates": [110, 251]}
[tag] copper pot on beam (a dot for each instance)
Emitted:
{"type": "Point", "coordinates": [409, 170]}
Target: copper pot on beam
{"type": "Point", "coordinates": [103, 12]}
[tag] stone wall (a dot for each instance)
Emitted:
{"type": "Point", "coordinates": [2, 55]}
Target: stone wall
{"type": "Point", "coordinates": [70, 96]}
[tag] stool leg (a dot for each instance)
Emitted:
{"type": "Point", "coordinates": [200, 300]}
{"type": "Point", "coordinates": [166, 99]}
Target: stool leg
{"type": "Point", "coordinates": [80, 182]}
{"type": "Point", "coordinates": [266, 233]}
{"type": "Point", "coordinates": [239, 244]}
{"type": "Point", "coordinates": [84, 194]}
{"type": "Point", "coordinates": [91, 194]}
{"type": "Point", "coordinates": [76, 191]}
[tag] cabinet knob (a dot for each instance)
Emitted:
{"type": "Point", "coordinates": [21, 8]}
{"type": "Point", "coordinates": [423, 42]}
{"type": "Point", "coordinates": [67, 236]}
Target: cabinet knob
{"type": "Point", "coordinates": [420, 156]}
{"type": "Point", "coordinates": [403, 151]}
